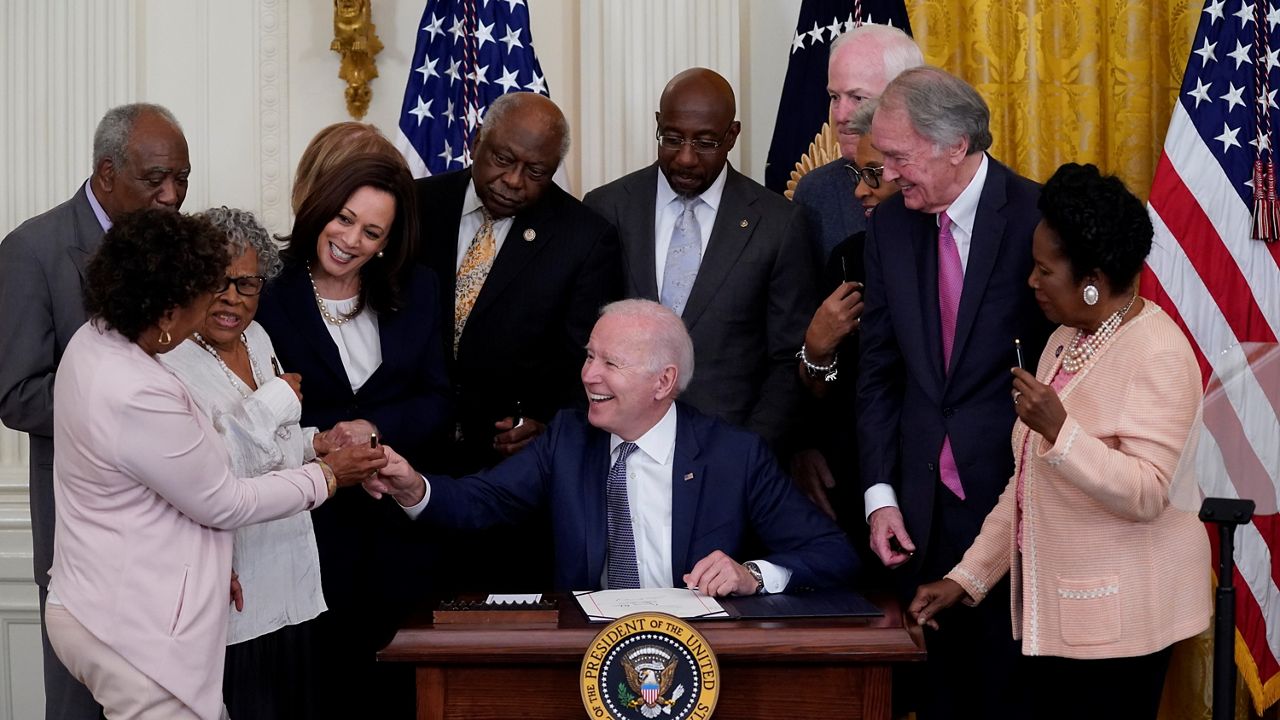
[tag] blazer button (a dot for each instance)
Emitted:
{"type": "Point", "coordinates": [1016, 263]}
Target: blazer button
{"type": "Point", "coordinates": [948, 412]}
{"type": "Point", "coordinates": [932, 466]}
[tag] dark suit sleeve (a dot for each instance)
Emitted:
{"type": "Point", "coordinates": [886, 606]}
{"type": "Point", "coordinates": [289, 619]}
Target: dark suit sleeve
{"type": "Point", "coordinates": [791, 303]}
{"type": "Point", "coordinates": [880, 374]}
{"type": "Point", "coordinates": [799, 537]}
{"type": "Point", "coordinates": [419, 413]}
{"type": "Point", "coordinates": [502, 495]}
{"type": "Point", "coordinates": [27, 340]}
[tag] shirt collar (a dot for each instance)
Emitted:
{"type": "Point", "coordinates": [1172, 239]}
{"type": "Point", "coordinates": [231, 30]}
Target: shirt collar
{"type": "Point", "coordinates": [471, 201]}
{"type": "Point", "coordinates": [964, 210]}
{"type": "Point", "coordinates": [710, 196]}
{"type": "Point", "coordinates": [103, 219]}
{"type": "Point", "coordinates": [659, 442]}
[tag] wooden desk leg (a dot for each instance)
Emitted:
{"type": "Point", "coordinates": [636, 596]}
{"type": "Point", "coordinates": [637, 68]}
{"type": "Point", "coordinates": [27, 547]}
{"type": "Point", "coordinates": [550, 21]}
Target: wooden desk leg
{"type": "Point", "coordinates": [432, 692]}
{"type": "Point", "coordinates": [877, 693]}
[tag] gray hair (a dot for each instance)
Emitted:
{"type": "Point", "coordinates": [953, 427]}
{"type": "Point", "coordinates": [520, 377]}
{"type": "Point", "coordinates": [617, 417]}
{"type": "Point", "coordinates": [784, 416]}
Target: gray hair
{"type": "Point", "coordinates": [898, 51]}
{"type": "Point", "coordinates": [861, 120]}
{"type": "Point", "coordinates": [942, 107]}
{"type": "Point", "coordinates": [112, 136]}
{"type": "Point", "coordinates": [497, 113]}
{"type": "Point", "coordinates": [667, 341]}
{"type": "Point", "coordinates": [243, 232]}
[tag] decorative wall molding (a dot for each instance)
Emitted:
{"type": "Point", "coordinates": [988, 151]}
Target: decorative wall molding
{"type": "Point", "coordinates": [274, 172]}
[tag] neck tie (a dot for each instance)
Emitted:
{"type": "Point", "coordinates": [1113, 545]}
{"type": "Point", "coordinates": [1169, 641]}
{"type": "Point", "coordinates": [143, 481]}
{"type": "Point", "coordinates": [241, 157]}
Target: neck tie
{"type": "Point", "coordinates": [471, 274]}
{"type": "Point", "coordinates": [624, 572]}
{"type": "Point", "coordinates": [950, 283]}
{"type": "Point", "coordinates": [684, 254]}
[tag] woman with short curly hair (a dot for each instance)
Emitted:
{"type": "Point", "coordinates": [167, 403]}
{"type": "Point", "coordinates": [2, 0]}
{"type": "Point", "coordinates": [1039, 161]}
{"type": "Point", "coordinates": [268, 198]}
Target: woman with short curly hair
{"type": "Point", "coordinates": [1106, 574]}
{"type": "Point", "coordinates": [144, 492]}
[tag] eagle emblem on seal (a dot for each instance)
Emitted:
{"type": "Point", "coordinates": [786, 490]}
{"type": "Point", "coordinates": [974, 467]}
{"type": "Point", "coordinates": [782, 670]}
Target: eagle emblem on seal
{"type": "Point", "coordinates": [650, 670]}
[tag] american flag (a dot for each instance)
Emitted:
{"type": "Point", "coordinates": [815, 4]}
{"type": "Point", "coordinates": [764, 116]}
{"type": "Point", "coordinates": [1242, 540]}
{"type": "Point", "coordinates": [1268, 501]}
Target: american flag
{"type": "Point", "coordinates": [803, 106]}
{"type": "Point", "coordinates": [1213, 194]}
{"type": "Point", "coordinates": [468, 53]}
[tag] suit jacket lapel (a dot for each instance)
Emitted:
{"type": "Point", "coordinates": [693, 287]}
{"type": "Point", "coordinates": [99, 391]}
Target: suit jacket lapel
{"type": "Point", "coordinates": [88, 232]}
{"type": "Point", "coordinates": [984, 248]}
{"type": "Point", "coordinates": [517, 250]}
{"type": "Point", "coordinates": [735, 222]}
{"type": "Point", "coordinates": [639, 212]}
{"type": "Point", "coordinates": [297, 298]}
{"type": "Point", "coordinates": [920, 272]}
{"type": "Point", "coordinates": [688, 474]}
{"type": "Point", "coordinates": [594, 508]}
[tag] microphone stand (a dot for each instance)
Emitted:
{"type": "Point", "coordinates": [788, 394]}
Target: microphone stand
{"type": "Point", "coordinates": [1227, 514]}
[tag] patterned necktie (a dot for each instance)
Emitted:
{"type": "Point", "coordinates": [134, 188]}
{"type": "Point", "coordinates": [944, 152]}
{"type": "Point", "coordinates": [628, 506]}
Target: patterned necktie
{"type": "Point", "coordinates": [471, 274]}
{"type": "Point", "coordinates": [624, 572]}
{"type": "Point", "coordinates": [950, 284]}
{"type": "Point", "coordinates": [684, 254]}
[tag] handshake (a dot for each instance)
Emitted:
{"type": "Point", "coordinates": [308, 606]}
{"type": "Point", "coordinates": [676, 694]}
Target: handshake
{"type": "Point", "coordinates": [352, 450]}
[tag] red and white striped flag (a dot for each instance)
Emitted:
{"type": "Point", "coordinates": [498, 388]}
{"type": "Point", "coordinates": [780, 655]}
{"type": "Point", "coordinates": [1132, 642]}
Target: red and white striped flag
{"type": "Point", "coordinates": [1215, 267]}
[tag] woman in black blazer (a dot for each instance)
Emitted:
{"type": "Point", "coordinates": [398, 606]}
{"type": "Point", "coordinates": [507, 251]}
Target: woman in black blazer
{"type": "Point", "coordinates": [354, 315]}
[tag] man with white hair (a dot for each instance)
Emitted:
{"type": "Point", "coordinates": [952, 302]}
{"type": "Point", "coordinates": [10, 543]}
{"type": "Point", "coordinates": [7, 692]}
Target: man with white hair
{"type": "Point", "coordinates": [862, 62]}
{"type": "Point", "coordinates": [644, 491]}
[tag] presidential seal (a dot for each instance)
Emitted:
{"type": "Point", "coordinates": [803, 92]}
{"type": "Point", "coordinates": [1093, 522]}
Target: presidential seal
{"type": "Point", "coordinates": [650, 665]}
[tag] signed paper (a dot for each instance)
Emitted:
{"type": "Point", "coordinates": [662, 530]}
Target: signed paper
{"type": "Point", "coordinates": [608, 605]}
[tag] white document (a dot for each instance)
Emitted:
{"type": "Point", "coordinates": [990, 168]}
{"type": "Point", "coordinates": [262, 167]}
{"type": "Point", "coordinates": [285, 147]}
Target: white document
{"type": "Point", "coordinates": [608, 605]}
{"type": "Point", "coordinates": [514, 599]}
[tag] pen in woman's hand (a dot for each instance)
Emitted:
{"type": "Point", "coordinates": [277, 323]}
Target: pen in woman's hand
{"type": "Point", "coordinates": [275, 366]}
{"type": "Point", "coordinates": [1017, 348]}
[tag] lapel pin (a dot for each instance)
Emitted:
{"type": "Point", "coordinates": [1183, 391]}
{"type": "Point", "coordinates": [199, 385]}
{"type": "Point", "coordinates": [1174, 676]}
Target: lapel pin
{"type": "Point", "coordinates": [743, 223]}
{"type": "Point", "coordinates": [688, 476]}
{"type": "Point", "coordinates": [530, 235]}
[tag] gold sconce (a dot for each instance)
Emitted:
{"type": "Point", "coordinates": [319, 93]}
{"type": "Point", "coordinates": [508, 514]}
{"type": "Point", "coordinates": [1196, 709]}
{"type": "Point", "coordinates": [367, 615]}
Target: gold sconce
{"type": "Point", "coordinates": [356, 40]}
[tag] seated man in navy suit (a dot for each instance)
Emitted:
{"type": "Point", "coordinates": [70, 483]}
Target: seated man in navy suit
{"type": "Point", "coordinates": [644, 491]}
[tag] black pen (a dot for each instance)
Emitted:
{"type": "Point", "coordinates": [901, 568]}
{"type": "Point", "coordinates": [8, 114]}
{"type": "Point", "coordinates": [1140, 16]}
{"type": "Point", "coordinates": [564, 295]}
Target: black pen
{"type": "Point", "coordinates": [275, 366]}
{"type": "Point", "coordinates": [1017, 348]}
{"type": "Point", "coordinates": [373, 441]}
{"type": "Point", "coordinates": [844, 269]}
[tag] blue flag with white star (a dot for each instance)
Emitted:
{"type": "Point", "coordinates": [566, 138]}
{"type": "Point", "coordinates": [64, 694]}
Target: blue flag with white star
{"type": "Point", "coordinates": [803, 106]}
{"type": "Point", "coordinates": [468, 53]}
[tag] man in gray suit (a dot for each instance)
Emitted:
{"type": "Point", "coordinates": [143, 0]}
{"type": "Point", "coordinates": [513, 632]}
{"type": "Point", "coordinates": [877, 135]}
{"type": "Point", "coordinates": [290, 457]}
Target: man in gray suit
{"type": "Point", "coordinates": [861, 64]}
{"type": "Point", "coordinates": [725, 253]}
{"type": "Point", "coordinates": [139, 161]}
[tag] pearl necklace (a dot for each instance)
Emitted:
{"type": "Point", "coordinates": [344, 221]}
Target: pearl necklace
{"type": "Point", "coordinates": [1084, 347]}
{"type": "Point", "coordinates": [235, 380]}
{"type": "Point", "coordinates": [324, 309]}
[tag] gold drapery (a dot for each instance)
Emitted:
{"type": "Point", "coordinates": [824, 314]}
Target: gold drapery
{"type": "Point", "coordinates": [1067, 80]}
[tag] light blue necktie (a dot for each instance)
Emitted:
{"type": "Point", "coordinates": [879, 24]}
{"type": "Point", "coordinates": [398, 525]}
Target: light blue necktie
{"type": "Point", "coordinates": [623, 569]}
{"type": "Point", "coordinates": [684, 254]}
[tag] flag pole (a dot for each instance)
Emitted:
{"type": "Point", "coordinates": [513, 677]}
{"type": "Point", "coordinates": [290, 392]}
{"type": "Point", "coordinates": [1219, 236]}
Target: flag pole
{"type": "Point", "coordinates": [1227, 514]}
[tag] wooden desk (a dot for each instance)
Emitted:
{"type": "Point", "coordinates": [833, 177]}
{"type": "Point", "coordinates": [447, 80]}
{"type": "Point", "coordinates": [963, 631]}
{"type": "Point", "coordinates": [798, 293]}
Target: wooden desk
{"type": "Point", "coordinates": [768, 669]}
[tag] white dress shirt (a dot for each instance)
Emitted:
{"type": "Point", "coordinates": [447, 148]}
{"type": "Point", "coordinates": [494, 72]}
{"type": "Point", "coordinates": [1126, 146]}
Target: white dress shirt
{"type": "Point", "coordinates": [667, 209]}
{"type": "Point", "coordinates": [963, 213]}
{"type": "Point", "coordinates": [358, 341]}
{"type": "Point", "coordinates": [472, 219]}
{"type": "Point", "coordinates": [649, 472]}
{"type": "Point", "coordinates": [277, 561]}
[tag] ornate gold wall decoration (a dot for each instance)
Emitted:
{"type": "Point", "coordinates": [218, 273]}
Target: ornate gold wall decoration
{"type": "Point", "coordinates": [824, 148]}
{"type": "Point", "coordinates": [356, 40]}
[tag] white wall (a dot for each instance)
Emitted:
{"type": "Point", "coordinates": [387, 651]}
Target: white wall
{"type": "Point", "coordinates": [253, 80]}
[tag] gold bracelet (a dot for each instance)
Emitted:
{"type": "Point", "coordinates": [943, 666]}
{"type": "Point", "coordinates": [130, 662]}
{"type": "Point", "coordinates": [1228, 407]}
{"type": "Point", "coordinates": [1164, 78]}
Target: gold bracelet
{"type": "Point", "coordinates": [330, 480]}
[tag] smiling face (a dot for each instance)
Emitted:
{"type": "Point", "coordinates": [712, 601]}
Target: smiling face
{"type": "Point", "coordinates": [930, 177]}
{"type": "Point", "coordinates": [855, 74]}
{"type": "Point", "coordinates": [355, 235]}
{"type": "Point", "coordinates": [230, 313]}
{"type": "Point", "coordinates": [625, 396]}
{"type": "Point", "coordinates": [869, 157]}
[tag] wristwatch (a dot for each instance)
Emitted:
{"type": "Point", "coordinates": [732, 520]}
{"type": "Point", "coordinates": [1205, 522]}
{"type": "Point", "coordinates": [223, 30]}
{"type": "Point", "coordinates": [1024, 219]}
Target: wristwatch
{"type": "Point", "coordinates": [754, 569]}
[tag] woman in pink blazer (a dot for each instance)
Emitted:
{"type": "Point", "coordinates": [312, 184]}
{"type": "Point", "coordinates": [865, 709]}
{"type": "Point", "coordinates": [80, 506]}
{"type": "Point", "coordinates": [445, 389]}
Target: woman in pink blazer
{"type": "Point", "coordinates": [142, 554]}
{"type": "Point", "coordinates": [1105, 574]}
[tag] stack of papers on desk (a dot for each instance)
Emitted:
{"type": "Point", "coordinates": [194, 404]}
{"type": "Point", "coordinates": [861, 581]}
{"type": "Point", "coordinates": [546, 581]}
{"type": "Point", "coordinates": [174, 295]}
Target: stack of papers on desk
{"type": "Point", "coordinates": [609, 605]}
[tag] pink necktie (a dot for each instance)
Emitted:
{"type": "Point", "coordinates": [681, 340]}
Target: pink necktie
{"type": "Point", "coordinates": [950, 283]}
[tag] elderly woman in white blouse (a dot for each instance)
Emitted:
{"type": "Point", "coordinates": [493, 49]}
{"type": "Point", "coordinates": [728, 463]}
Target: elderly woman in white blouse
{"type": "Point", "coordinates": [230, 369]}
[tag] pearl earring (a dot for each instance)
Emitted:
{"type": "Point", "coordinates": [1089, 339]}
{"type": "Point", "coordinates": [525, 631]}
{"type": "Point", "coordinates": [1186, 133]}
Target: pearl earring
{"type": "Point", "coordinates": [1090, 294]}
{"type": "Point", "coordinates": [379, 253]}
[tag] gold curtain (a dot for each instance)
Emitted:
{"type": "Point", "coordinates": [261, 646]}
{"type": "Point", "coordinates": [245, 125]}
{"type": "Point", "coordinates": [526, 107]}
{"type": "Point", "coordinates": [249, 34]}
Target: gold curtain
{"type": "Point", "coordinates": [1067, 80]}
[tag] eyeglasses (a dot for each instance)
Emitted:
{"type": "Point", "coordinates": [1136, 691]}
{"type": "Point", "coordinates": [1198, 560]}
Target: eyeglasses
{"type": "Point", "coordinates": [247, 285]}
{"type": "Point", "coordinates": [868, 174]}
{"type": "Point", "coordinates": [702, 146]}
